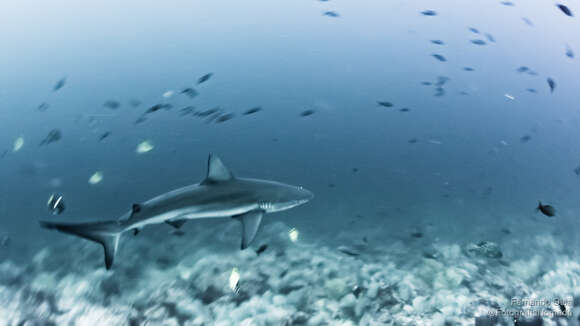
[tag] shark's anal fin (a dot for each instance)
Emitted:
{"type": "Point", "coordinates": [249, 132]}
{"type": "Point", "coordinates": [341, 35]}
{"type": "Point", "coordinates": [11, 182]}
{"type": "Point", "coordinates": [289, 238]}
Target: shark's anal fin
{"type": "Point", "coordinates": [250, 225]}
{"type": "Point", "coordinates": [176, 223]}
{"type": "Point", "coordinates": [216, 171]}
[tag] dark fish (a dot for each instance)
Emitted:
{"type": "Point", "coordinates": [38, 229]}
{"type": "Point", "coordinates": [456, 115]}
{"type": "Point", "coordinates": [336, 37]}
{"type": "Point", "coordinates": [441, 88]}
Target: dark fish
{"type": "Point", "coordinates": [204, 78]}
{"type": "Point", "coordinates": [429, 13]}
{"type": "Point", "coordinates": [261, 249]}
{"type": "Point", "coordinates": [158, 107]}
{"type": "Point", "coordinates": [331, 185]}
{"type": "Point", "coordinates": [527, 21]}
{"type": "Point", "coordinates": [59, 84]}
{"type": "Point", "coordinates": [112, 104]}
{"type": "Point", "coordinates": [225, 117]}
{"type": "Point", "coordinates": [42, 107]}
{"type": "Point", "coordinates": [565, 10]}
{"type": "Point", "coordinates": [307, 113]}
{"type": "Point", "coordinates": [140, 119]}
{"type": "Point", "coordinates": [438, 42]}
{"type": "Point", "coordinates": [417, 234]}
{"type": "Point", "coordinates": [507, 3]}
{"type": "Point", "coordinates": [55, 204]}
{"type": "Point", "coordinates": [426, 83]}
{"type": "Point", "coordinates": [412, 141]}
{"type": "Point", "coordinates": [569, 52]}
{"type": "Point", "coordinates": [525, 138]}
{"type": "Point", "coordinates": [253, 110]}
{"type": "Point", "coordinates": [522, 69]}
{"type": "Point", "coordinates": [53, 136]}
{"type": "Point", "coordinates": [478, 42]}
{"type": "Point", "coordinates": [576, 170]}
{"type": "Point", "coordinates": [474, 30]}
{"type": "Point", "coordinates": [405, 110]}
{"type": "Point", "coordinates": [190, 92]}
{"type": "Point", "coordinates": [562, 307]}
{"type": "Point", "coordinates": [532, 90]}
{"type": "Point", "coordinates": [385, 104]}
{"type": "Point", "coordinates": [349, 251]}
{"type": "Point", "coordinates": [546, 209]}
{"type": "Point", "coordinates": [354, 170]}
{"type": "Point", "coordinates": [187, 110]}
{"type": "Point", "coordinates": [552, 84]}
{"type": "Point", "coordinates": [439, 57]}
{"type": "Point", "coordinates": [441, 80]}
{"type": "Point", "coordinates": [104, 135]}
{"type": "Point", "coordinates": [439, 91]}
{"type": "Point", "coordinates": [467, 68]}
{"type": "Point", "coordinates": [331, 14]}
{"type": "Point", "coordinates": [213, 117]}
{"type": "Point", "coordinates": [490, 37]}
{"type": "Point", "coordinates": [134, 103]}
{"type": "Point", "coordinates": [506, 231]}
{"type": "Point", "coordinates": [206, 113]}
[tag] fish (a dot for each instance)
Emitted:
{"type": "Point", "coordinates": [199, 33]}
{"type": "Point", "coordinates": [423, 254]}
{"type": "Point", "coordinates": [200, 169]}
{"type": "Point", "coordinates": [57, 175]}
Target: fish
{"type": "Point", "coordinates": [474, 30]}
{"type": "Point", "coordinates": [190, 92]}
{"type": "Point", "coordinates": [354, 170]}
{"type": "Point", "coordinates": [551, 84]}
{"type": "Point", "coordinates": [507, 3]}
{"type": "Point", "coordinates": [405, 110]}
{"type": "Point", "coordinates": [219, 195]}
{"type": "Point", "coordinates": [55, 204]}
{"type": "Point", "coordinates": [468, 69]}
{"type": "Point", "coordinates": [307, 113]}
{"type": "Point", "coordinates": [261, 249]}
{"type": "Point", "coordinates": [331, 14]}
{"type": "Point", "coordinates": [569, 52]}
{"type": "Point", "coordinates": [439, 91]}
{"type": "Point", "coordinates": [576, 170]}
{"type": "Point", "coordinates": [204, 78]}
{"type": "Point", "coordinates": [53, 136]}
{"type": "Point", "coordinates": [225, 117]}
{"type": "Point", "coordinates": [59, 84]}
{"type": "Point", "coordinates": [522, 69]}
{"type": "Point", "coordinates": [527, 21]}
{"type": "Point", "coordinates": [42, 107]}
{"type": "Point", "coordinates": [547, 210]}
{"type": "Point", "coordinates": [490, 37]}
{"type": "Point", "coordinates": [140, 120]}
{"type": "Point", "coordinates": [426, 83]}
{"type": "Point", "coordinates": [565, 10]}
{"type": "Point", "coordinates": [187, 110]}
{"type": "Point", "coordinates": [207, 112]}
{"type": "Point", "coordinates": [349, 251]}
{"type": "Point", "coordinates": [438, 42]}
{"type": "Point", "coordinates": [253, 110]}
{"type": "Point", "coordinates": [532, 90]}
{"type": "Point", "coordinates": [385, 104]}
{"type": "Point", "coordinates": [134, 103]}
{"type": "Point", "coordinates": [478, 42]}
{"type": "Point", "coordinates": [112, 104]}
{"type": "Point", "coordinates": [213, 117]}
{"type": "Point", "coordinates": [429, 13]}
{"type": "Point", "coordinates": [442, 80]}
{"type": "Point", "coordinates": [439, 57]}
{"type": "Point", "coordinates": [158, 107]}
{"type": "Point", "coordinates": [104, 135]}
{"type": "Point", "coordinates": [412, 141]}
{"type": "Point", "coordinates": [525, 138]}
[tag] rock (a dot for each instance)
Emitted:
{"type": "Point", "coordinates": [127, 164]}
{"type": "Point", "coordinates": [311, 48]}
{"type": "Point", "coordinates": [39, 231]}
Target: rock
{"type": "Point", "coordinates": [485, 249]}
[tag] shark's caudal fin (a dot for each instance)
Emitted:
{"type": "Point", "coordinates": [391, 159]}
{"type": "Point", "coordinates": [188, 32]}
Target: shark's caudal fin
{"type": "Point", "coordinates": [106, 233]}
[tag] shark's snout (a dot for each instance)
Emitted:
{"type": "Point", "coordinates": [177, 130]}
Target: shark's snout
{"type": "Point", "coordinates": [306, 195]}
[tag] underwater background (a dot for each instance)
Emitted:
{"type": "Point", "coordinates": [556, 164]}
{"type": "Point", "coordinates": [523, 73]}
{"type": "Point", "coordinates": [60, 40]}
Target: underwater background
{"type": "Point", "coordinates": [427, 130]}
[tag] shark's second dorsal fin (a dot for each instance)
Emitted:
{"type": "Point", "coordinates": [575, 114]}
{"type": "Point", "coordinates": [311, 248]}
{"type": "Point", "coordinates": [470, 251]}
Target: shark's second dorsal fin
{"type": "Point", "coordinates": [136, 208]}
{"type": "Point", "coordinates": [216, 171]}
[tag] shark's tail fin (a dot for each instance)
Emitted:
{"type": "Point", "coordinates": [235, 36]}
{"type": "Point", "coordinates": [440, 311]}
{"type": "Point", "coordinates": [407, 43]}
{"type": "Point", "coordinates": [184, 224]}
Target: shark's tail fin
{"type": "Point", "coordinates": [106, 233]}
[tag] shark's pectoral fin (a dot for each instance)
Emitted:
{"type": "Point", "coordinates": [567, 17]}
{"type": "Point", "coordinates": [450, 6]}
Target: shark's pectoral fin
{"type": "Point", "coordinates": [216, 171]}
{"type": "Point", "coordinates": [250, 225]}
{"type": "Point", "coordinates": [176, 223]}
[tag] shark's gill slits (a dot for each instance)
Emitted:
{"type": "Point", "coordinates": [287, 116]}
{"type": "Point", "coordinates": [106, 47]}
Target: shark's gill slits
{"type": "Point", "coordinates": [265, 205]}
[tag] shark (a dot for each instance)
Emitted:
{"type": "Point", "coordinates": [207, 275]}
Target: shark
{"type": "Point", "coordinates": [219, 195]}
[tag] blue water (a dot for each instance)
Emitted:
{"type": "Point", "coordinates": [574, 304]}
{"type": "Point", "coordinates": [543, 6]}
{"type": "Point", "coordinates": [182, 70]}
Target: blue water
{"type": "Point", "coordinates": [468, 175]}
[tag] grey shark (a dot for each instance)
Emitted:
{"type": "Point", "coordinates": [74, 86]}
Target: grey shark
{"type": "Point", "coordinates": [219, 195]}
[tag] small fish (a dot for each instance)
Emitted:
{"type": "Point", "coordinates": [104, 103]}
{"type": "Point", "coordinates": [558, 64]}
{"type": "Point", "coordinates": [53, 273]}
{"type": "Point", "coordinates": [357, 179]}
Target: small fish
{"type": "Point", "coordinates": [532, 73]}
{"type": "Point", "coordinates": [144, 147]}
{"type": "Point", "coordinates": [429, 13]}
{"type": "Point", "coordinates": [206, 113]}
{"type": "Point", "coordinates": [190, 92]}
{"type": "Point", "coordinates": [187, 110]}
{"type": "Point", "coordinates": [507, 3]}
{"type": "Point", "coordinates": [43, 107]}
{"type": "Point", "coordinates": [261, 249]}
{"type": "Point", "coordinates": [53, 136]}
{"type": "Point", "coordinates": [140, 120]}
{"type": "Point", "coordinates": [439, 57]}
{"type": "Point", "coordinates": [490, 37]}
{"type": "Point", "coordinates": [441, 80]}
{"type": "Point", "coordinates": [417, 234]}
{"type": "Point", "coordinates": [225, 117]}
{"type": "Point", "coordinates": [532, 90]}
{"type": "Point", "coordinates": [509, 96]}
{"type": "Point", "coordinates": [331, 14]}
{"type": "Point", "coordinates": [439, 91]}
{"type": "Point", "coordinates": [55, 204]}
{"type": "Point", "coordinates": [565, 10]}
{"type": "Point", "coordinates": [468, 69]}
{"type": "Point", "coordinates": [213, 117]}
{"type": "Point", "coordinates": [385, 104]}
{"type": "Point", "coordinates": [525, 138]}
{"type": "Point", "coordinates": [18, 143]}
{"type": "Point", "coordinates": [134, 103]}
{"type": "Point", "coordinates": [405, 110]}
{"type": "Point", "coordinates": [204, 78]}
{"type": "Point", "coordinates": [522, 69]}
{"type": "Point", "coordinates": [478, 42]}
{"type": "Point", "coordinates": [551, 84]}
{"type": "Point", "coordinates": [546, 209]}
{"type": "Point", "coordinates": [426, 83]}
{"type": "Point", "coordinates": [307, 113]}
{"type": "Point", "coordinates": [168, 94]}
{"type": "Point", "coordinates": [412, 141]}
{"type": "Point", "coordinates": [349, 251]}
{"type": "Point", "coordinates": [158, 107]}
{"type": "Point", "coordinates": [253, 110]}
{"type": "Point", "coordinates": [112, 104]}
{"type": "Point", "coordinates": [474, 30]}
{"type": "Point", "coordinates": [104, 135]}
{"type": "Point", "coordinates": [569, 52]}
{"type": "Point", "coordinates": [527, 21]}
{"type": "Point", "coordinates": [97, 177]}
{"type": "Point", "coordinates": [438, 42]}
{"type": "Point", "coordinates": [59, 84]}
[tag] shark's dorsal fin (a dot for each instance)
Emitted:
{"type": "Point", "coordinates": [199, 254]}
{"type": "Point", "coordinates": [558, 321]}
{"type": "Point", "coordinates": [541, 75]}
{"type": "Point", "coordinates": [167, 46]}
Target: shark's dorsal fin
{"type": "Point", "coordinates": [216, 171]}
{"type": "Point", "coordinates": [136, 208]}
